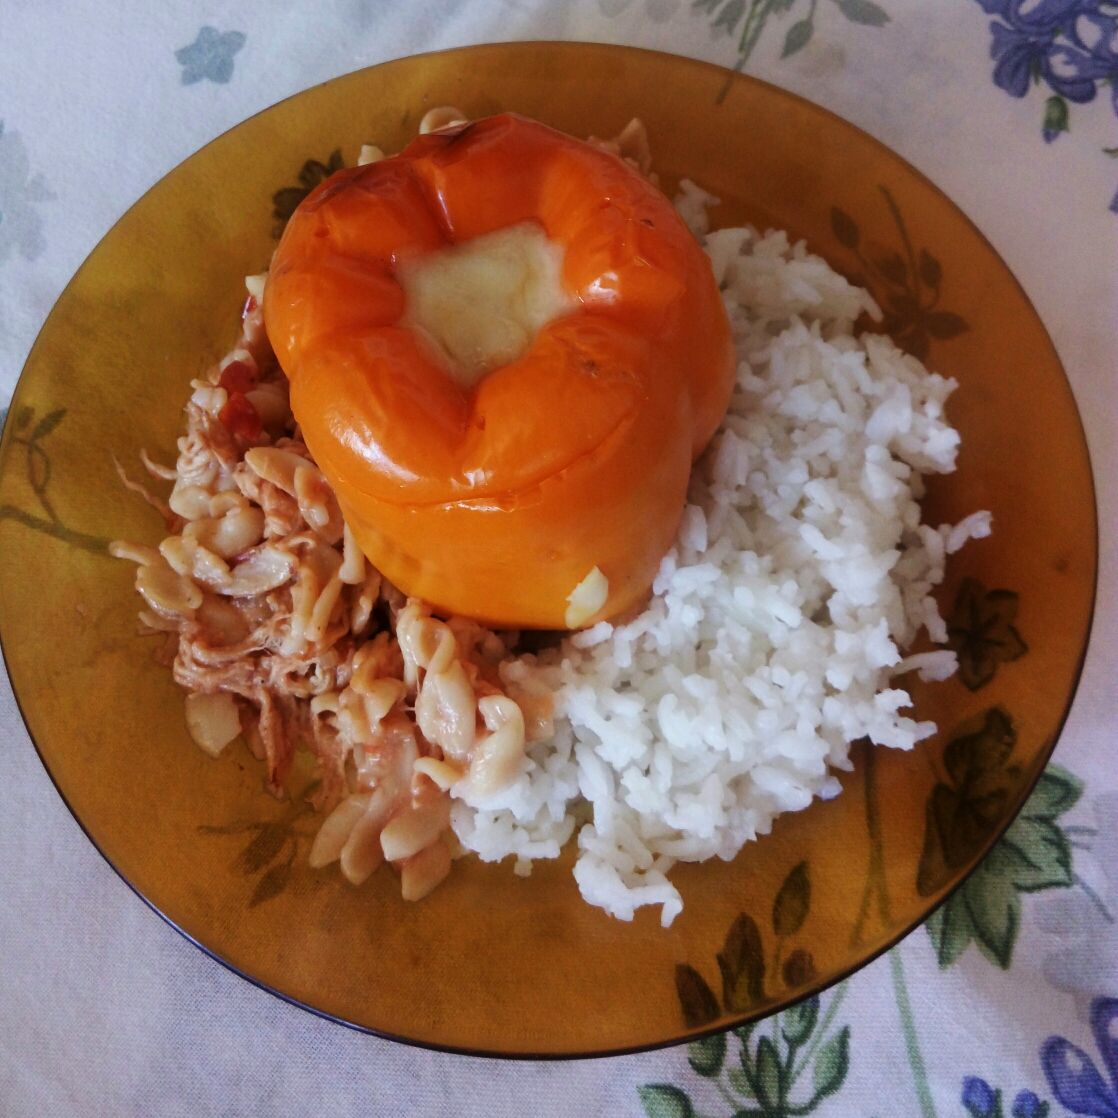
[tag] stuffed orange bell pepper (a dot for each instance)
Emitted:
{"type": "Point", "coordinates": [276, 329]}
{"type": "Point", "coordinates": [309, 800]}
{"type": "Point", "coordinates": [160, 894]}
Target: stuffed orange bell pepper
{"type": "Point", "coordinates": [505, 351]}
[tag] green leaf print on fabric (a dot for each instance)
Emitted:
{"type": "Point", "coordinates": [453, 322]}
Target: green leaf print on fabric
{"type": "Point", "coordinates": [981, 631]}
{"type": "Point", "coordinates": [708, 1055]}
{"type": "Point", "coordinates": [779, 1068]}
{"type": "Point", "coordinates": [662, 1101]}
{"type": "Point", "coordinates": [831, 1065]}
{"type": "Point", "coordinates": [748, 19]}
{"type": "Point", "coordinates": [798, 1022]}
{"type": "Point", "coordinates": [798, 37]}
{"type": "Point", "coordinates": [1033, 855]}
{"type": "Point", "coordinates": [863, 11]}
{"type": "Point", "coordinates": [656, 11]}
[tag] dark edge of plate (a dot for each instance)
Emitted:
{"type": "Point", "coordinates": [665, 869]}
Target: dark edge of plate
{"type": "Point", "coordinates": [803, 993]}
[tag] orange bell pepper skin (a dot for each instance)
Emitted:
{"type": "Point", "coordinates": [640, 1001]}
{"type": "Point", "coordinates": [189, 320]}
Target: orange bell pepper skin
{"type": "Point", "coordinates": [495, 501]}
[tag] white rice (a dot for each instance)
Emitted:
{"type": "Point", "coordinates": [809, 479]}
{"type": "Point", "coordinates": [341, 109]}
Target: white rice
{"type": "Point", "coordinates": [776, 624]}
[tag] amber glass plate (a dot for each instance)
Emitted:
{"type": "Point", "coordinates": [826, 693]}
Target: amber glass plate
{"type": "Point", "coordinates": [492, 963]}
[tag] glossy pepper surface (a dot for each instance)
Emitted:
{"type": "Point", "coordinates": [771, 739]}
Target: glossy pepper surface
{"type": "Point", "coordinates": [495, 500]}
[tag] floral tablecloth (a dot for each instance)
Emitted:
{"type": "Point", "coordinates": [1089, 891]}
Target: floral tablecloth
{"type": "Point", "coordinates": [1012, 107]}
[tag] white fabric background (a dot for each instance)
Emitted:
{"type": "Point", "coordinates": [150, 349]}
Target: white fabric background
{"type": "Point", "coordinates": [104, 1010]}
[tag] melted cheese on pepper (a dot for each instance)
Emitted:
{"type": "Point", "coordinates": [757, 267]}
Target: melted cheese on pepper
{"type": "Point", "coordinates": [483, 302]}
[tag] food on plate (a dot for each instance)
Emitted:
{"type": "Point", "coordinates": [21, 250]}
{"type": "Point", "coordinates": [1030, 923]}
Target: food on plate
{"type": "Point", "coordinates": [796, 574]}
{"type": "Point", "coordinates": [505, 349]}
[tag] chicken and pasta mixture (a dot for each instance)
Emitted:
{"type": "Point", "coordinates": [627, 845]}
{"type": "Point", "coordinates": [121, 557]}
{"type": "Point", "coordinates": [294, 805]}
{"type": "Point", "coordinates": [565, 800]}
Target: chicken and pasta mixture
{"type": "Point", "coordinates": [499, 385]}
{"type": "Point", "coordinates": [281, 630]}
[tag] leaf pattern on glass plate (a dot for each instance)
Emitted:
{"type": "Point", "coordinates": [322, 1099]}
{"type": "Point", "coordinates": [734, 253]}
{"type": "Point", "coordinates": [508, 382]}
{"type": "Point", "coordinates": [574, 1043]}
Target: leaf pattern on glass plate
{"type": "Point", "coordinates": [742, 963]}
{"type": "Point", "coordinates": [1034, 853]}
{"type": "Point", "coordinates": [963, 811]}
{"type": "Point", "coordinates": [270, 853]}
{"type": "Point", "coordinates": [905, 282]}
{"type": "Point", "coordinates": [31, 432]}
{"type": "Point", "coordinates": [981, 631]}
{"type": "Point", "coordinates": [287, 198]}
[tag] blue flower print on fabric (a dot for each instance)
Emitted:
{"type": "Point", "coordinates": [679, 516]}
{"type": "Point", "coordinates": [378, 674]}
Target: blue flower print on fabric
{"type": "Point", "coordinates": [210, 56]}
{"type": "Point", "coordinates": [21, 224]}
{"type": "Point", "coordinates": [1028, 1105]}
{"type": "Point", "coordinates": [1072, 1074]}
{"type": "Point", "coordinates": [1094, 58]}
{"type": "Point", "coordinates": [1069, 46]}
{"type": "Point", "coordinates": [1024, 46]}
{"type": "Point", "coordinates": [980, 1100]}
